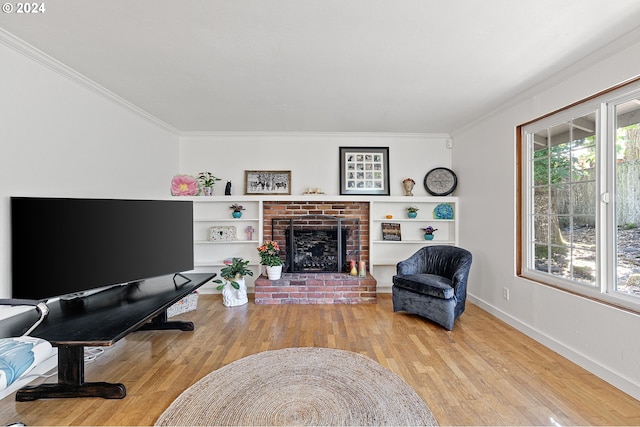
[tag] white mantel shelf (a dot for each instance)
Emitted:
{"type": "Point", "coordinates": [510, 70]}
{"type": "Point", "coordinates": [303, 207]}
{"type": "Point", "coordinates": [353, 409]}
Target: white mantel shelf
{"type": "Point", "coordinates": [320, 197]}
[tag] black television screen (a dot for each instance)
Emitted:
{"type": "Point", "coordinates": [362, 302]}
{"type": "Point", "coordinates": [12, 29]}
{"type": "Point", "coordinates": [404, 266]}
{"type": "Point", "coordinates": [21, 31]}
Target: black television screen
{"type": "Point", "coordinates": [63, 246]}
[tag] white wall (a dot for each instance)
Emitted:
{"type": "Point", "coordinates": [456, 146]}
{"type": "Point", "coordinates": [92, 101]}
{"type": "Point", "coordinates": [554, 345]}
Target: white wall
{"type": "Point", "coordinates": [312, 158]}
{"type": "Point", "coordinates": [58, 138]}
{"type": "Point", "coordinates": [603, 339]}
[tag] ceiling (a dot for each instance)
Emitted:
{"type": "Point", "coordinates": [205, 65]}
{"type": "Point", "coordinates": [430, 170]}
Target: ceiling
{"type": "Point", "coordinates": [321, 65]}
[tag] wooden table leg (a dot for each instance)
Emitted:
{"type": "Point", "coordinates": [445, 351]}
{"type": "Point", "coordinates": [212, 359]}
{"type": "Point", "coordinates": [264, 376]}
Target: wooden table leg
{"type": "Point", "coordinates": [161, 322]}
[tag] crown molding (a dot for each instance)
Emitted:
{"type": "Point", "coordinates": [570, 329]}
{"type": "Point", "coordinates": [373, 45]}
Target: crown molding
{"type": "Point", "coordinates": [42, 58]}
{"type": "Point", "coordinates": [610, 49]}
{"type": "Point", "coordinates": [286, 134]}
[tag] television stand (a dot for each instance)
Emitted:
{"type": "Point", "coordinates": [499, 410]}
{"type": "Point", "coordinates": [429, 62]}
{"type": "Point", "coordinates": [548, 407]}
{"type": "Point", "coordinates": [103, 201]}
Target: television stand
{"type": "Point", "coordinates": [102, 319]}
{"type": "Point", "coordinates": [160, 323]}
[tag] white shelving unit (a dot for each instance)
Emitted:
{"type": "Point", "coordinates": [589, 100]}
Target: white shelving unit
{"type": "Point", "coordinates": [214, 211]}
{"type": "Point", "coordinates": [383, 254]}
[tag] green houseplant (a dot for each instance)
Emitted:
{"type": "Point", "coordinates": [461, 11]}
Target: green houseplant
{"type": "Point", "coordinates": [232, 284]}
{"type": "Point", "coordinates": [234, 270]}
{"type": "Point", "coordinates": [207, 180]}
{"type": "Point", "coordinates": [412, 211]}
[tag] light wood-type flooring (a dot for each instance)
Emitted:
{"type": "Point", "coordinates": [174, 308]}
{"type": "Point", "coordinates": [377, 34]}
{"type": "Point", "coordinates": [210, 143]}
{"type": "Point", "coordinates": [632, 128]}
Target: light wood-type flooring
{"type": "Point", "coordinates": [482, 373]}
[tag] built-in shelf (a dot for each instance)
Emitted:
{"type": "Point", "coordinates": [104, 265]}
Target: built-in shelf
{"type": "Point", "coordinates": [418, 242]}
{"type": "Point", "coordinates": [223, 242]}
{"type": "Point", "coordinates": [383, 254]}
{"type": "Point", "coordinates": [228, 220]}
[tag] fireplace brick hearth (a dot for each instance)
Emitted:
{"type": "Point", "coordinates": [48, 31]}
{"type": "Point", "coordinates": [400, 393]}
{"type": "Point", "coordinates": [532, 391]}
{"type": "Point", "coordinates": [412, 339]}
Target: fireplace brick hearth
{"type": "Point", "coordinates": [322, 287]}
{"type": "Point", "coordinates": [316, 288]}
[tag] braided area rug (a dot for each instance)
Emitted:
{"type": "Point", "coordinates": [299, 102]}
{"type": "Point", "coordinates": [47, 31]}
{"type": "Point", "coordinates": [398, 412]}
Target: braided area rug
{"type": "Point", "coordinates": [299, 386]}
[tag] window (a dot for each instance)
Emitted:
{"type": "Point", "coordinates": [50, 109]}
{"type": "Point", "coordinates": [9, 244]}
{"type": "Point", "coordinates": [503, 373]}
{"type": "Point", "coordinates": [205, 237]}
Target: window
{"type": "Point", "coordinates": [579, 197]}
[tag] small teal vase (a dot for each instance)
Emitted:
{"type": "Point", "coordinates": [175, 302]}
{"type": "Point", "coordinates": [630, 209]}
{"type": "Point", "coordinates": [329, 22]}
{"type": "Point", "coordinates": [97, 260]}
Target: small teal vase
{"type": "Point", "coordinates": [412, 214]}
{"type": "Point", "coordinates": [236, 214]}
{"type": "Point", "coordinates": [428, 237]}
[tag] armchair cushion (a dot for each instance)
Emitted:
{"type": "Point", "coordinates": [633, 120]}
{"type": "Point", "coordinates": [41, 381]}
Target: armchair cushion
{"type": "Point", "coordinates": [427, 284]}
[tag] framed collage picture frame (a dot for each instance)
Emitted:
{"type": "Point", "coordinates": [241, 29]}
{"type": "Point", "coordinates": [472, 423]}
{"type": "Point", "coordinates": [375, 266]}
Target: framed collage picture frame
{"type": "Point", "coordinates": [364, 171]}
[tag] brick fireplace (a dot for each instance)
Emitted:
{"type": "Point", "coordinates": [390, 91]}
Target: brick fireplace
{"type": "Point", "coordinates": [318, 287]}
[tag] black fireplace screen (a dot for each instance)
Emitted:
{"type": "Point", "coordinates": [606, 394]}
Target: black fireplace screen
{"type": "Point", "coordinates": [318, 243]}
{"type": "Point", "coordinates": [316, 250]}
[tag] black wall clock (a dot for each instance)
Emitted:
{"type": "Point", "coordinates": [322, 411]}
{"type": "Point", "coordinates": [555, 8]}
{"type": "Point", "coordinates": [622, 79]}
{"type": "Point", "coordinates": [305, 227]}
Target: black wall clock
{"type": "Point", "coordinates": [440, 181]}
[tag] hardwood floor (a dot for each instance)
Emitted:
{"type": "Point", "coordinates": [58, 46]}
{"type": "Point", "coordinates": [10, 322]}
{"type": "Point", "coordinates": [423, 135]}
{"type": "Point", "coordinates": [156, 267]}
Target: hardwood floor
{"type": "Point", "coordinates": [482, 373]}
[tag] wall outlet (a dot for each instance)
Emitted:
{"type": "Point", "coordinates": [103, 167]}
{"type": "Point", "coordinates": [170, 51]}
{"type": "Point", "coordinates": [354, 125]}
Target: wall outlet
{"type": "Point", "coordinates": [505, 293]}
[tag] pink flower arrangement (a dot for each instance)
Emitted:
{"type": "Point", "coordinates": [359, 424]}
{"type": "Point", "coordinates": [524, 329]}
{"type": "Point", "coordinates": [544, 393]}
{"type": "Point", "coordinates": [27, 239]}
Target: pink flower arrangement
{"type": "Point", "coordinates": [184, 185]}
{"type": "Point", "coordinates": [269, 253]}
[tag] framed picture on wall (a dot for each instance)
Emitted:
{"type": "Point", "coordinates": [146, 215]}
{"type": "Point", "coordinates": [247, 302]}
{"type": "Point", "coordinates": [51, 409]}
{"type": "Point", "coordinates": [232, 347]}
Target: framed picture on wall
{"type": "Point", "coordinates": [364, 171]}
{"type": "Point", "coordinates": [267, 182]}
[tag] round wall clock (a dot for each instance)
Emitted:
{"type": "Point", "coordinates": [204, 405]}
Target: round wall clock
{"type": "Point", "coordinates": [440, 181]}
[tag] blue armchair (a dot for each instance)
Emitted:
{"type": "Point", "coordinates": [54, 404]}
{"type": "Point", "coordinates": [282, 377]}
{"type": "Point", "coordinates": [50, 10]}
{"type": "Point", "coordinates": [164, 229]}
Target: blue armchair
{"type": "Point", "coordinates": [432, 283]}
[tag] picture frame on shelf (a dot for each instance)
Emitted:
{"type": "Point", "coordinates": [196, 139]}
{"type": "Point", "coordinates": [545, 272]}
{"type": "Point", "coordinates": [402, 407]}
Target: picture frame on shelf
{"type": "Point", "coordinates": [222, 233]}
{"type": "Point", "coordinates": [364, 171]}
{"type": "Point", "coordinates": [267, 182]}
{"type": "Point", "coordinates": [391, 231]}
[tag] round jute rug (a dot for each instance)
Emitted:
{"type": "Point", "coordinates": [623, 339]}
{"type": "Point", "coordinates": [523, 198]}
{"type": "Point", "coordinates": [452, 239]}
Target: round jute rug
{"type": "Point", "coordinates": [300, 386]}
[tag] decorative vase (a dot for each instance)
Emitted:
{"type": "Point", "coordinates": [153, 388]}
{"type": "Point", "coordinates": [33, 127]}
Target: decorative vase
{"type": "Point", "coordinates": [237, 214]}
{"type": "Point", "coordinates": [232, 297]}
{"type": "Point", "coordinates": [412, 214]}
{"type": "Point", "coordinates": [274, 272]}
{"type": "Point", "coordinates": [428, 237]}
{"type": "Point", "coordinates": [207, 191]}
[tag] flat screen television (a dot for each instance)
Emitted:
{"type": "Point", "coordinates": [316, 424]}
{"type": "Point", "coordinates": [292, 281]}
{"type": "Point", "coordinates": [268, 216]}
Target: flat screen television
{"type": "Point", "coordinates": [66, 246]}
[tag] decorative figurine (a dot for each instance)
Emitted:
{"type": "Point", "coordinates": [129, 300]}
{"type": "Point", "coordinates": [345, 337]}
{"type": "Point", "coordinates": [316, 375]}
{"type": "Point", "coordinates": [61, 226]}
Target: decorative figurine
{"type": "Point", "coordinates": [227, 189]}
{"type": "Point", "coordinates": [408, 184]}
{"type": "Point", "coordinates": [249, 230]}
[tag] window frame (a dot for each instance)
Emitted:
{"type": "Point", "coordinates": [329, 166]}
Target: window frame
{"type": "Point", "coordinates": [604, 105]}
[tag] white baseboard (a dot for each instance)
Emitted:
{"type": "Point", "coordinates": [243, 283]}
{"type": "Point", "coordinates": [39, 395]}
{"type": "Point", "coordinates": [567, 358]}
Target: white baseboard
{"type": "Point", "coordinates": [596, 369]}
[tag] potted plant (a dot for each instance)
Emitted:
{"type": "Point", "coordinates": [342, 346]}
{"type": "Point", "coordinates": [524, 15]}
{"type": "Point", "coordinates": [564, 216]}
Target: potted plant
{"type": "Point", "coordinates": [232, 284]}
{"type": "Point", "coordinates": [237, 210]}
{"type": "Point", "coordinates": [207, 180]}
{"type": "Point", "coordinates": [270, 257]}
{"type": "Point", "coordinates": [412, 211]}
{"type": "Point", "coordinates": [428, 232]}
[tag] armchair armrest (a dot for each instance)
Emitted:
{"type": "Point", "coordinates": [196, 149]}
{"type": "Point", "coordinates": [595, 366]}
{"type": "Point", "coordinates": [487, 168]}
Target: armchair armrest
{"type": "Point", "coordinates": [411, 265]}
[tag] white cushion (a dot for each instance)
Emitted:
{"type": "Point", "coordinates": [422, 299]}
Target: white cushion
{"type": "Point", "coordinates": [19, 355]}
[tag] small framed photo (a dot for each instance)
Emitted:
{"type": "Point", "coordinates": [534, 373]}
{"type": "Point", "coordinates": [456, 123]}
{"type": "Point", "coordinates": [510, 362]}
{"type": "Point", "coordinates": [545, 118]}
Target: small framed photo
{"type": "Point", "coordinates": [267, 182]}
{"type": "Point", "coordinates": [391, 231]}
{"type": "Point", "coordinates": [364, 170]}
